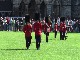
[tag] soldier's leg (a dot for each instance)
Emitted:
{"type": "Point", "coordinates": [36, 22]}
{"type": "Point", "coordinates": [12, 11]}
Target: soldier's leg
{"type": "Point", "coordinates": [36, 42]}
{"type": "Point", "coordinates": [60, 35]}
{"type": "Point", "coordinates": [46, 37]}
{"type": "Point", "coordinates": [55, 34]}
{"type": "Point", "coordinates": [37, 45]}
{"type": "Point", "coordinates": [27, 42]}
{"type": "Point", "coordinates": [38, 39]}
{"type": "Point", "coordinates": [63, 35]}
{"type": "Point", "coordinates": [39, 42]}
{"type": "Point", "coordinates": [30, 39]}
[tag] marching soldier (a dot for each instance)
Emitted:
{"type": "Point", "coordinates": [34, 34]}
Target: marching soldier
{"type": "Point", "coordinates": [63, 29]}
{"type": "Point", "coordinates": [61, 24]}
{"type": "Point", "coordinates": [55, 27]}
{"type": "Point", "coordinates": [46, 28]}
{"type": "Point", "coordinates": [27, 29]}
{"type": "Point", "coordinates": [38, 30]}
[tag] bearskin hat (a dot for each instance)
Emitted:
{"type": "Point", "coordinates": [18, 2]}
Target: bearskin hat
{"type": "Point", "coordinates": [27, 18]}
{"type": "Point", "coordinates": [46, 19]}
{"type": "Point", "coordinates": [62, 19]}
{"type": "Point", "coordinates": [55, 20]}
{"type": "Point", "coordinates": [37, 16]}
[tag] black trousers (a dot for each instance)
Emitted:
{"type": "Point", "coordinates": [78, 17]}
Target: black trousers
{"type": "Point", "coordinates": [60, 35]}
{"type": "Point", "coordinates": [63, 36]}
{"type": "Point", "coordinates": [55, 34]}
{"type": "Point", "coordinates": [47, 34]}
{"type": "Point", "coordinates": [28, 41]}
{"type": "Point", "coordinates": [38, 41]}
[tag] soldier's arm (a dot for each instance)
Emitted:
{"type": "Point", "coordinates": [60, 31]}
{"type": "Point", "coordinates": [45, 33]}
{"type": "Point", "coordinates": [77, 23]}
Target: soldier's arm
{"type": "Point", "coordinates": [24, 29]}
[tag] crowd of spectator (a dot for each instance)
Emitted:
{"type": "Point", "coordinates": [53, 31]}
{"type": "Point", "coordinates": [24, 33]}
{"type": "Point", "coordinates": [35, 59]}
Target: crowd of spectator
{"type": "Point", "coordinates": [17, 23]}
{"type": "Point", "coordinates": [72, 25]}
{"type": "Point", "coordinates": [11, 24]}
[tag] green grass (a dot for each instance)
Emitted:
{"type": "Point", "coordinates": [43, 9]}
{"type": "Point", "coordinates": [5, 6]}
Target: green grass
{"type": "Point", "coordinates": [12, 47]}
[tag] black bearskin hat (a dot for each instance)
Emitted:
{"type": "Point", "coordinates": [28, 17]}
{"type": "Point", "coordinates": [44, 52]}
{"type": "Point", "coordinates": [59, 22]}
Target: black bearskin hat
{"type": "Point", "coordinates": [62, 19]}
{"type": "Point", "coordinates": [46, 19]}
{"type": "Point", "coordinates": [37, 16]}
{"type": "Point", "coordinates": [55, 20]}
{"type": "Point", "coordinates": [27, 18]}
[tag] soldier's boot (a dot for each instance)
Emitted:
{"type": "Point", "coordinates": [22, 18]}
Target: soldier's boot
{"type": "Point", "coordinates": [47, 39]}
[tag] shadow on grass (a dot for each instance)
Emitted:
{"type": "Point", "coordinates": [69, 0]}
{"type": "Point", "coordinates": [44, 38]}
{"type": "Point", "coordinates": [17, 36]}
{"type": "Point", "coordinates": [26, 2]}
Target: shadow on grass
{"type": "Point", "coordinates": [50, 39]}
{"type": "Point", "coordinates": [18, 49]}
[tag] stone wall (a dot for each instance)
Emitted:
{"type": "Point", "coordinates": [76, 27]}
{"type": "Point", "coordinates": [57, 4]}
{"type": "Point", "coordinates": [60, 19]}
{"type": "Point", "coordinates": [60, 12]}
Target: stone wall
{"type": "Point", "coordinates": [60, 8]}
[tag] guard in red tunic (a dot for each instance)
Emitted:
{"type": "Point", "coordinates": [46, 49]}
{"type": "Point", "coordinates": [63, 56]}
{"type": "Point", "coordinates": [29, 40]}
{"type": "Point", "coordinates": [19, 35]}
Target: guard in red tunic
{"type": "Point", "coordinates": [27, 29]}
{"type": "Point", "coordinates": [64, 29]}
{"type": "Point", "coordinates": [46, 28]}
{"type": "Point", "coordinates": [60, 29]}
{"type": "Point", "coordinates": [55, 27]}
{"type": "Point", "coordinates": [38, 30]}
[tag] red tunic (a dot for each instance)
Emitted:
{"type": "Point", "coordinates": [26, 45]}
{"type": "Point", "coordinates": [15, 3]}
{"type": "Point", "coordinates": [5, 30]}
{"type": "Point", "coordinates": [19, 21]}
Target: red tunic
{"type": "Point", "coordinates": [63, 27]}
{"type": "Point", "coordinates": [46, 27]}
{"type": "Point", "coordinates": [37, 28]}
{"type": "Point", "coordinates": [50, 25]}
{"type": "Point", "coordinates": [27, 29]}
{"type": "Point", "coordinates": [61, 24]}
{"type": "Point", "coordinates": [56, 27]}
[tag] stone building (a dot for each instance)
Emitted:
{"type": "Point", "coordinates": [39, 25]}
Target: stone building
{"type": "Point", "coordinates": [54, 8]}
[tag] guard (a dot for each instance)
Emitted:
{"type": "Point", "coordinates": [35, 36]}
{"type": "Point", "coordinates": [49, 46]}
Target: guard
{"type": "Point", "coordinates": [27, 29]}
{"type": "Point", "coordinates": [38, 30]}
{"type": "Point", "coordinates": [46, 28]}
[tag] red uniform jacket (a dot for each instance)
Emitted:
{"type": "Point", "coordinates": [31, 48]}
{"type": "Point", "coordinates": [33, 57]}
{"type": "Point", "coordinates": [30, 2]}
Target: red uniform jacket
{"type": "Point", "coordinates": [50, 25]}
{"type": "Point", "coordinates": [56, 27]}
{"type": "Point", "coordinates": [37, 28]}
{"type": "Point", "coordinates": [46, 27]}
{"type": "Point", "coordinates": [27, 29]}
{"type": "Point", "coordinates": [63, 27]}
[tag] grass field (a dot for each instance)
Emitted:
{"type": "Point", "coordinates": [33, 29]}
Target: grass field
{"type": "Point", "coordinates": [12, 47]}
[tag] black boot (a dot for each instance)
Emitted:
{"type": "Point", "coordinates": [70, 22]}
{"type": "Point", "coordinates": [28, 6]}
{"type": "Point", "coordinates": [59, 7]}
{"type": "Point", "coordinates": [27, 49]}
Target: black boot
{"type": "Point", "coordinates": [47, 39]}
